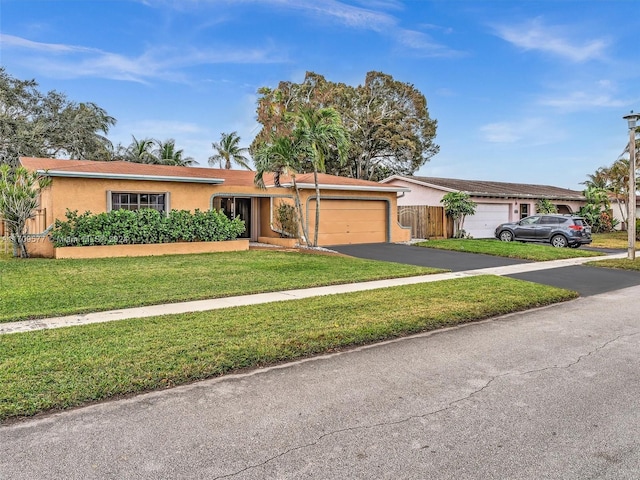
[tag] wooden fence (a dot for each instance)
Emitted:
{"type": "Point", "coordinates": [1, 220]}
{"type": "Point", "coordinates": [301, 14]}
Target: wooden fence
{"type": "Point", "coordinates": [36, 224]}
{"type": "Point", "coordinates": [425, 221]}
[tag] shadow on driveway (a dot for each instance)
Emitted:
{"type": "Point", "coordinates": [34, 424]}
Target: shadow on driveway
{"type": "Point", "coordinates": [583, 279]}
{"type": "Point", "coordinates": [425, 257]}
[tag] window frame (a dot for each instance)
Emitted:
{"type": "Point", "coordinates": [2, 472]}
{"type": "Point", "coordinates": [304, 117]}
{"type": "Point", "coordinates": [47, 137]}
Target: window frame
{"type": "Point", "coordinates": [139, 193]}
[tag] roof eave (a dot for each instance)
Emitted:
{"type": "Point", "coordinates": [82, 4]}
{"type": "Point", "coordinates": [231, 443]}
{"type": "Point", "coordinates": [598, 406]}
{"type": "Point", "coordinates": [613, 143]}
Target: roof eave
{"type": "Point", "coordinates": [361, 188]}
{"type": "Point", "coordinates": [527, 196]}
{"type": "Point", "coordinates": [127, 176]}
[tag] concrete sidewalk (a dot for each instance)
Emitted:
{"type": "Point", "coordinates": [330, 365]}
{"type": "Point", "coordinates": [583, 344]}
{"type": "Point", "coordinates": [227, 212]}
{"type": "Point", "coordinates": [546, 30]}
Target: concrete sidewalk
{"type": "Point", "coordinates": [243, 300]}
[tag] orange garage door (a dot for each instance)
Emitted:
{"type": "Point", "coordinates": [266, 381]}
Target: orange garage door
{"type": "Point", "coordinates": [349, 221]}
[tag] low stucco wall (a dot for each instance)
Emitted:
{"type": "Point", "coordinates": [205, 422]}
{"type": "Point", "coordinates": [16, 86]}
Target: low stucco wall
{"type": "Point", "coordinates": [281, 242]}
{"type": "Point", "coordinates": [107, 251]}
{"type": "Point", "coordinates": [39, 246]}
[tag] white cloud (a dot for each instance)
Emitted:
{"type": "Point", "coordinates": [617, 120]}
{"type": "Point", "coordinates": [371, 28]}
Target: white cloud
{"type": "Point", "coordinates": [575, 101]}
{"type": "Point", "coordinates": [534, 35]}
{"type": "Point", "coordinates": [71, 61]}
{"type": "Point", "coordinates": [422, 43]}
{"type": "Point", "coordinates": [501, 132]}
{"type": "Point", "coordinates": [371, 18]}
{"type": "Point", "coordinates": [18, 42]}
{"type": "Point", "coordinates": [581, 96]}
{"type": "Point", "coordinates": [527, 132]}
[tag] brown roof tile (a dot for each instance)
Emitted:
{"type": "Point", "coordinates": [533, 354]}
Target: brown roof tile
{"type": "Point", "coordinates": [498, 189]}
{"type": "Point", "coordinates": [230, 177]}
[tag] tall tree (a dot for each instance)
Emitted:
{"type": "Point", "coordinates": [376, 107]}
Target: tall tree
{"type": "Point", "coordinates": [613, 179]}
{"type": "Point", "coordinates": [458, 205]}
{"type": "Point", "coordinates": [167, 154]}
{"type": "Point", "coordinates": [281, 156]}
{"type": "Point", "coordinates": [228, 150]}
{"type": "Point", "coordinates": [140, 151]}
{"type": "Point", "coordinates": [49, 125]}
{"type": "Point", "coordinates": [387, 120]}
{"type": "Point", "coordinates": [19, 198]}
{"type": "Point", "coordinates": [320, 134]}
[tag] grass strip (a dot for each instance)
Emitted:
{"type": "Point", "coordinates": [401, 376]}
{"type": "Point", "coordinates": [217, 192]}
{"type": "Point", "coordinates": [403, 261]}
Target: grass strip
{"type": "Point", "coordinates": [617, 263]}
{"type": "Point", "coordinates": [524, 251]}
{"type": "Point", "coordinates": [37, 288]}
{"type": "Point", "coordinates": [57, 369]}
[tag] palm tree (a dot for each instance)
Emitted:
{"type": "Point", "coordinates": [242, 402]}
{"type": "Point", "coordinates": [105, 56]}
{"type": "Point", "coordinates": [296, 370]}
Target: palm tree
{"type": "Point", "coordinates": [139, 151]}
{"type": "Point", "coordinates": [228, 150]}
{"type": "Point", "coordinates": [166, 154]}
{"type": "Point", "coordinates": [281, 156]}
{"type": "Point", "coordinates": [618, 175]}
{"type": "Point", "coordinates": [320, 133]}
{"type": "Point", "coordinates": [599, 179]}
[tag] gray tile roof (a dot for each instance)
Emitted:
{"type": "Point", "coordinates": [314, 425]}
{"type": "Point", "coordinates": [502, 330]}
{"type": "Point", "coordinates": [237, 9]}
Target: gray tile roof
{"type": "Point", "coordinates": [481, 188]}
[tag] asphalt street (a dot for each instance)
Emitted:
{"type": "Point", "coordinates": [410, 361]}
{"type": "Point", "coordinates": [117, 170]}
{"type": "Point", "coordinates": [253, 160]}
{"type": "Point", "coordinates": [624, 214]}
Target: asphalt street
{"type": "Point", "coordinates": [546, 394]}
{"type": "Point", "coordinates": [583, 279]}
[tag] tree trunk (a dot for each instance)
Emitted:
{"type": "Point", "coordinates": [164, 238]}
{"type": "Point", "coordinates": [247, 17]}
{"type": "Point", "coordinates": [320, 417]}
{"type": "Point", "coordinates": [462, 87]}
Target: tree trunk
{"type": "Point", "coordinates": [303, 226]}
{"type": "Point", "coordinates": [315, 233]}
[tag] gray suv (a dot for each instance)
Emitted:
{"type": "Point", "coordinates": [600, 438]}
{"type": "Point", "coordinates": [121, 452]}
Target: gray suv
{"type": "Point", "coordinates": [559, 230]}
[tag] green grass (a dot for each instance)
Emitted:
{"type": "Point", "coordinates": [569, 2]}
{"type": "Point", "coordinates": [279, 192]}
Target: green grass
{"type": "Point", "coordinates": [35, 288]}
{"type": "Point", "coordinates": [620, 264]}
{"type": "Point", "coordinates": [524, 251]}
{"type": "Point", "coordinates": [57, 369]}
{"type": "Point", "coordinates": [6, 251]}
{"type": "Point", "coordinates": [613, 240]}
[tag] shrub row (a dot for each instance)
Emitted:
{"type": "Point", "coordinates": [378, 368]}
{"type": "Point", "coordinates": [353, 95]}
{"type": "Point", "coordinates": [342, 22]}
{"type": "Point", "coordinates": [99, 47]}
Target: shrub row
{"type": "Point", "coordinates": [119, 227]}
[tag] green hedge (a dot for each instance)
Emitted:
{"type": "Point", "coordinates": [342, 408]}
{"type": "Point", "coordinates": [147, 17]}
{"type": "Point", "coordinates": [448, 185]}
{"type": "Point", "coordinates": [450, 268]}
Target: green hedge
{"type": "Point", "coordinates": [120, 227]}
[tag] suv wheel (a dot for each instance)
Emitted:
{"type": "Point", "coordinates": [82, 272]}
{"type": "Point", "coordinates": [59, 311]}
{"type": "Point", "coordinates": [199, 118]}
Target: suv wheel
{"type": "Point", "coordinates": [506, 236]}
{"type": "Point", "coordinates": [559, 241]}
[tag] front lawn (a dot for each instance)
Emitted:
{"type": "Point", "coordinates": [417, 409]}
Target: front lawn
{"type": "Point", "coordinates": [36, 288]}
{"type": "Point", "coordinates": [612, 240]}
{"type": "Point", "coordinates": [66, 367]}
{"type": "Point", "coordinates": [524, 251]}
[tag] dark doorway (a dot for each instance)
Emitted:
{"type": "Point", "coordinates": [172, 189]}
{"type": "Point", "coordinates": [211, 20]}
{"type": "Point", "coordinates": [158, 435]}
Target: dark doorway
{"type": "Point", "coordinates": [236, 207]}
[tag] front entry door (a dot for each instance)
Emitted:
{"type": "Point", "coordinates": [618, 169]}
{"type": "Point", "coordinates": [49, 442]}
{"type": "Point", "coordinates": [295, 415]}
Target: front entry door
{"type": "Point", "coordinates": [236, 207]}
{"type": "Point", "coordinates": [243, 211]}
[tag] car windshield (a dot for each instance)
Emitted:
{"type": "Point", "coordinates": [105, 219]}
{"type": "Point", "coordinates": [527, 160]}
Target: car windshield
{"type": "Point", "coordinates": [579, 222]}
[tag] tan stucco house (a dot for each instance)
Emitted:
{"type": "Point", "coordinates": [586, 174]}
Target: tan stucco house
{"type": "Point", "coordinates": [497, 202]}
{"type": "Point", "coordinates": [352, 210]}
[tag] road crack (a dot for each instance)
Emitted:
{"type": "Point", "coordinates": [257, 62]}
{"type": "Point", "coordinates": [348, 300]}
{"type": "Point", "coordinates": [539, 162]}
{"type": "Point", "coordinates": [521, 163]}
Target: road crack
{"type": "Point", "coordinates": [446, 407]}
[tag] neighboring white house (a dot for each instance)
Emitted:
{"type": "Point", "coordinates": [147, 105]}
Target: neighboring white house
{"type": "Point", "coordinates": [622, 215]}
{"type": "Point", "coordinates": [497, 202]}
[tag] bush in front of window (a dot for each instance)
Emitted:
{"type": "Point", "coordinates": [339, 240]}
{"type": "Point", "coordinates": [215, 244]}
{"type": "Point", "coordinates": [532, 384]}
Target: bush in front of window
{"type": "Point", "coordinates": [145, 226]}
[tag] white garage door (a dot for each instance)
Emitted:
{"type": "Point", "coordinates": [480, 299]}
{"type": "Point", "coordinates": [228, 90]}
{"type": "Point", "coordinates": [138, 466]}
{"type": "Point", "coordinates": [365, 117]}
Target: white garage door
{"type": "Point", "coordinates": [487, 217]}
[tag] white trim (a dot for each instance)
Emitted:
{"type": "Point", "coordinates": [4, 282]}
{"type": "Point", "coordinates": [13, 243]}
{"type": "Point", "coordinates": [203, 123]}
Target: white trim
{"type": "Point", "coordinates": [361, 188]}
{"type": "Point", "coordinates": [418, 182]}
{"type": "Point", "coordinates": [127, 176]}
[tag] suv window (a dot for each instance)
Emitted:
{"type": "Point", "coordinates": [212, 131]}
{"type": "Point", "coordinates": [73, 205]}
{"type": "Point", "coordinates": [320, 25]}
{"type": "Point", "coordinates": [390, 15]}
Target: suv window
{"type": "Point", "coordinates": [529, 220]}
{"type": "Point", "coordinates": [554, 220]}
{"type": "Point", "coordinates": [579, 221]}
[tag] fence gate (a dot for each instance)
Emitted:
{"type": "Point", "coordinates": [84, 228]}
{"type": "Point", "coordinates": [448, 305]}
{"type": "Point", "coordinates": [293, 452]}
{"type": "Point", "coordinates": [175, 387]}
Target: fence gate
{"type": "Point", "coordinates": [425, 221]}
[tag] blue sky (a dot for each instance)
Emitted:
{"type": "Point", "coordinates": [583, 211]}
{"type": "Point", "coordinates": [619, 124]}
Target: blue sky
{"type": "Point", "coordinates": [523, 91]}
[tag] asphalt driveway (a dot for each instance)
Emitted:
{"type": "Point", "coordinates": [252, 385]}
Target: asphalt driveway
{"type": "Point", "coordinates": [583, 279]}
{"type": "Point", "coordinates": [425, 257]}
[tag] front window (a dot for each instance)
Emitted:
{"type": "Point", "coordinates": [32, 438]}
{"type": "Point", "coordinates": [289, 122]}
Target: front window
{"type": "Point", "coordinates": [137, 201]}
